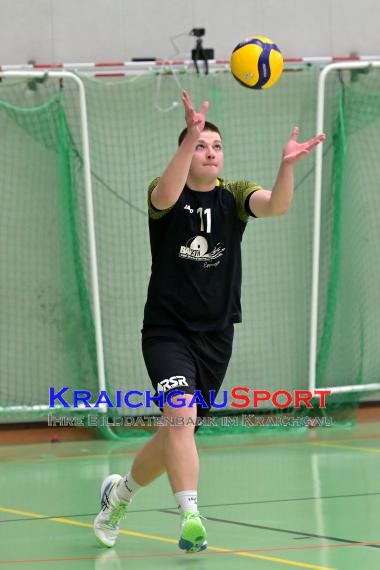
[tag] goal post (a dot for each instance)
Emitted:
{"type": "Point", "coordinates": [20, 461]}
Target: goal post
{"type": "Point", "coordinates": [326, 72]}
{"type": "Point", "coordinates": [39, 409]}
{"type": "Point", "coordinates": [309, 292]}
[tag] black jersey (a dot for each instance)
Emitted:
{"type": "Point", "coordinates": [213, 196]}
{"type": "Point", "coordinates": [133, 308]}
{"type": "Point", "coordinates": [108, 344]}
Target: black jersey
{"type": "Point", "coordinates": [196, 259]}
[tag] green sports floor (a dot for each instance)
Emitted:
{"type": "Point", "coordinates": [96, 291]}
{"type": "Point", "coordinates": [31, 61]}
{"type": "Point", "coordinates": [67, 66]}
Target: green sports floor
{"type": "Point", "coordinates": [305, 498]}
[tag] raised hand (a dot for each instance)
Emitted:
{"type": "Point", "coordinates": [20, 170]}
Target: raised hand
{"type": "Point", "coordinates": [195, 121]}
{"type": "Point", "coordinates": [294, 151]}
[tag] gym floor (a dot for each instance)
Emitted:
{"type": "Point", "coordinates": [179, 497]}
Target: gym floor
{"type": "Point", "coordinates": [305, 498]}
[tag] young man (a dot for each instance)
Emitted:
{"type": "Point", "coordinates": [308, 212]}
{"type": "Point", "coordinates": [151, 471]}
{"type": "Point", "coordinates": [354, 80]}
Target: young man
{"type": "Point", "coordinates": [196, 223]}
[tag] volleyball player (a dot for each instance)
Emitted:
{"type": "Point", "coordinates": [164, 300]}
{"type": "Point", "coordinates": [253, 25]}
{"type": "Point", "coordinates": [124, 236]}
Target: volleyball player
{"type": "Point", "coordinates": [196, 223]}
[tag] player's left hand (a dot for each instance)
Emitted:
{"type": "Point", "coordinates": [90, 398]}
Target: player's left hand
{"type": "Point", "coordinates": [294, 151]}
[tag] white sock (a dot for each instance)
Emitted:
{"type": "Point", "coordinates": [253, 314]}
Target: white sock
{"type": "Point", "coordinates": [127, 488]}
{"type": "Point", "coordinates": [187, 501]}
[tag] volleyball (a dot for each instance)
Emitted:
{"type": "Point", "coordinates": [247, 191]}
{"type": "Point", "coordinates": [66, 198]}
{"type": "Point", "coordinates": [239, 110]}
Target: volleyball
{"type": "Point", "coordinates": [257, 63]}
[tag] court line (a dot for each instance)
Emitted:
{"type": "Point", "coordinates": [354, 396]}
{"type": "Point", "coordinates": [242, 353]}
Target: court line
{"type": "Point", "coordinates": [116, 556]}
{"type": "Point", "coordinates": [123, 453]}
{"type": "Point", "coordinates": [172, 541]}
{"type": "Point", "coordinates": [344, 446]}
{"type": "Point", "coordinates": [291, 500]}
{"type": "Point", "coordinates": [283, 530]}
{"type": "Point", "coordinates": [213, 505]}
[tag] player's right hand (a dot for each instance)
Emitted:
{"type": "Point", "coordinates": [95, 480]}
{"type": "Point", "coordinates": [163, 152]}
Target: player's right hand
{"type": "Point", "coordinates": [195, 121]}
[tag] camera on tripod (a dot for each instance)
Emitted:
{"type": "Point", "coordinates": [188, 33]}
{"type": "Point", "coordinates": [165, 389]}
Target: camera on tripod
{"type": "Point", "coordinates": [198, 32]}
{"type": "Point", "coordinates": [199, 52]}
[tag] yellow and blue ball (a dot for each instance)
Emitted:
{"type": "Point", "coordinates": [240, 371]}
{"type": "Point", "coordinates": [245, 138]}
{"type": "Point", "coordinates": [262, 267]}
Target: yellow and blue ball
{"type": "Point", "coordinates": [257, 63]}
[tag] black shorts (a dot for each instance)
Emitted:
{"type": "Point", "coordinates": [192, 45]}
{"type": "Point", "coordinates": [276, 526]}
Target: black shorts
{"type": "Point", "coordinates": [187, 360]}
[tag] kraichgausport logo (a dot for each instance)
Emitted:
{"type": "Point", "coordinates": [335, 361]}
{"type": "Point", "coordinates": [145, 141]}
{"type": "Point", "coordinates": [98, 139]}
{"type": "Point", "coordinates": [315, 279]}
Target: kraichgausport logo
{"type": "Point", "coordinates": [249, 398]}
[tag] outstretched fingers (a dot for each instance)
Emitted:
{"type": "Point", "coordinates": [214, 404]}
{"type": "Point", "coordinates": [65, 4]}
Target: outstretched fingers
{"type": "Point", "coordinates": [189, 105]}
{"type": "Point", "coordinates": [315, 141]}
{"type": "Point", "coordinates": [295, 133]}
{"type": "Point", "coordinates": [187, 101]}
{"type": "Point", "coordinates": [204, 108]}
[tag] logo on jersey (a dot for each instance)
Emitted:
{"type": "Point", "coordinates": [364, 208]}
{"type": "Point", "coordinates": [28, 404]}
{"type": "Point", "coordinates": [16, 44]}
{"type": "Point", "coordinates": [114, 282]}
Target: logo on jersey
{"type": "Point", "coordinates": [197, 250]}
{"type": "Point", "coordinates": [187, 207]}
{"type": "Point", "coordinates": [172, 382]}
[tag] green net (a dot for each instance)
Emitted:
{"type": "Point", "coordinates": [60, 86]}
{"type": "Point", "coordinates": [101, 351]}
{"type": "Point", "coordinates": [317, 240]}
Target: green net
{"type": "Point", "coordinates": [349, 313]}
{"type": "Point", "coordinates": [46, 316]}
{"type": "Point", "coordinates": [46, 319]}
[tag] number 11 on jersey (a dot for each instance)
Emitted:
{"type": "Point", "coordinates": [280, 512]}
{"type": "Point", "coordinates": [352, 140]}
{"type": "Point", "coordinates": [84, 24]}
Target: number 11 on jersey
{"type": "Point", "coordinates": [207, 213]}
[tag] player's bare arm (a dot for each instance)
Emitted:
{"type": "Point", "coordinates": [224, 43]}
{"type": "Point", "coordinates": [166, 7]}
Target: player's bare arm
{"type": "Point", "coordinates": [175, 175]}
{"type": "Point", "coordinates": [266, 203]}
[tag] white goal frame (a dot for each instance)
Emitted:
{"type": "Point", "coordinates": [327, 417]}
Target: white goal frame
{"type": "Point", "coordinates": [90, 236]}
{"type": "Point", "coordinates": [33, 73]}
{"type": "Point", "coordinates": [317, 229]}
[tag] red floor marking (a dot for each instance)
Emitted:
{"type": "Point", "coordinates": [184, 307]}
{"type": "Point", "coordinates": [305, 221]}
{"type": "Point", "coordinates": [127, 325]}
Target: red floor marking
{"type": "Point", "coordinates": [175, 554]}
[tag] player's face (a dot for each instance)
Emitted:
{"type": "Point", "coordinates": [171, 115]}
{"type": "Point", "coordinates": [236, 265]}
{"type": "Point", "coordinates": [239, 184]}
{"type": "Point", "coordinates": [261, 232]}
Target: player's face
{"type": "Point", "coordinates": [207, 161]}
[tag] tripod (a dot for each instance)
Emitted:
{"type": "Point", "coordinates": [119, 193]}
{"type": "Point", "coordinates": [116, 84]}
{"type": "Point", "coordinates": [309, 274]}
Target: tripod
{"type": "Point", "coordinates": [200, 53]}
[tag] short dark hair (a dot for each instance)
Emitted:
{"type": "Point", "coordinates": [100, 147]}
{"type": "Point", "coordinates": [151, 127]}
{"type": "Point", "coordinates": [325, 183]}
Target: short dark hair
{"type": "Point", "coordinates": [208, 127]}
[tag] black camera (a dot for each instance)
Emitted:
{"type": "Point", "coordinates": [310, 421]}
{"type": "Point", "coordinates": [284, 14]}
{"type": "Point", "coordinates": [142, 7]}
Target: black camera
{"type": "Point", "coordinates": [198, 32]}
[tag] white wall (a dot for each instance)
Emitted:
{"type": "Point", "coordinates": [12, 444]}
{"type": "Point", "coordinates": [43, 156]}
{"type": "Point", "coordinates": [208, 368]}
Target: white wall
{"type": "Point", "coordinates": [108, 30]}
